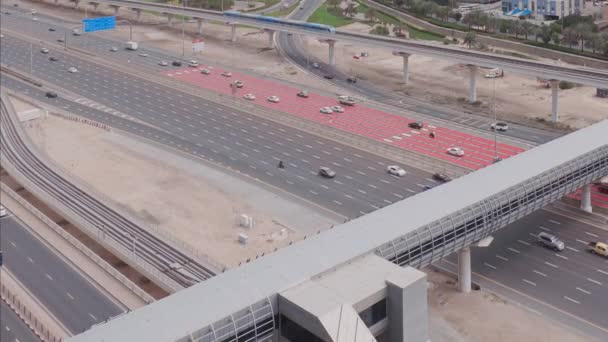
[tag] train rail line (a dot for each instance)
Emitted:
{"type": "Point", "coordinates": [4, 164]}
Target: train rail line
{"type": "Point", "coordinates": [175, 267]}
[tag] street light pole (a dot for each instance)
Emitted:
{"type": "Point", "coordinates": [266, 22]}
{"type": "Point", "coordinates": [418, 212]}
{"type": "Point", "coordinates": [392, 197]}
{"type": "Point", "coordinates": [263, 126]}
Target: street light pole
{"type": "Point", "coordinates": [494, 110]}
{"type": "Point", "coordinates": [184, 30]}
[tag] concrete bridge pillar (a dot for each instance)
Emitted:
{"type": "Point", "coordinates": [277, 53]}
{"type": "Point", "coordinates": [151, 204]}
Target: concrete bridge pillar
{"type": "Point", "coordinates": [586, 199]}
{"type": "Point", "coordinates": [233, 32]}
{"type": "Point", "coordinates": [95, 6]}
{"type": "Point", "coordinates": [199, 25]}
{"type": "Point", "coordinates": [332, 52]}
{"type": "Point", "coordinates": [137, 14]}
{"type": "Point", "coordinates": [554, 103]}
{"type": "Point", "coordinates": [270, 34]}
{"type": "Point", "coordinates": [116, 8]}
{"type": "Point", "coordinates": [406, 73]}
{"type": "Point", "coordinates": [472, 83]}
{"type": "Point", "coordinates": [76, 3]}
{"type": "Point", "coordinates": [56, 2]}
{"type": "Point", "coordinates": [169, 19]}
{"type": "Point", "coordinates": [464, 270]}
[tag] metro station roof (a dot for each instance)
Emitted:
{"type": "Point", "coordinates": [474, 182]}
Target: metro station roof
{"type": "Point", "coordinates": [191, 309]}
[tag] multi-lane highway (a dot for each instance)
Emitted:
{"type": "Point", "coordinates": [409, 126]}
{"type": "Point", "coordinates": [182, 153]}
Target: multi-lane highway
{"type": "Point", "coordinates": [12, 328]}
{"type": "Point", "coordinates": [58, 285]}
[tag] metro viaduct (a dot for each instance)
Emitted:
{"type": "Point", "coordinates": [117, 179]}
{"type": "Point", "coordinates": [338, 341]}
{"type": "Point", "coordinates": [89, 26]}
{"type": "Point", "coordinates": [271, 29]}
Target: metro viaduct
{"type": "Point", "coordinates": [301, 292]}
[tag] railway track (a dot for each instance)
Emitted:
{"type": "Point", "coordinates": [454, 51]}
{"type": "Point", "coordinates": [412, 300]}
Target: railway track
{"type": "Point", "coordinates": [180, 269]}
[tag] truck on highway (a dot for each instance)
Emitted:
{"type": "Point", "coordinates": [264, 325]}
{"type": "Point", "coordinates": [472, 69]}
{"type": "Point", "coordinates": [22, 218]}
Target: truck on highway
{"type": "Point", "coordinates": [599, 248]}
{"type": "Point", "coordinates": [131, 46]}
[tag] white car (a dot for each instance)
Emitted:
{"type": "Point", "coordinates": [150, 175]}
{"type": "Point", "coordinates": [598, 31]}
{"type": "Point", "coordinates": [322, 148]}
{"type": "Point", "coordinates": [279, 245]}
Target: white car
{"type": "Point", "coordinates": [35, 19]}
{"type": "Point", "coordinates": [163, 63]}
{"type": "Point", "coordinates": [72, 70]}
{"type": "Point", "coordinates": [113, 49]}
{"type": "Point", "coordinates": [396, 170]}
{"type": "Point", "coordinates": [326, 110]}
{"type": "Point", "coordinates": [303, 94]}
{"type": "Point", "coordinates": [206, 72]}
{"type": "Point", "coordinates": [250, 97]}
{"type": "Point", "coordinates": [143, 55]}
{"type": "Point", "coordinates": [500, 126]}
{"type": "Point", "coordinates": [44, 50]}
{"type": "Point", "coordinates": [3, 211]}
{"type": "Point", "coordinates": [456, 151]}
{"type": "Point", "coordinates": [227, 74]}
{"type": "Point", "coordinates": [193, 64]}
{"type": "Point", "coordinates": [273, 99]}
{"type": "Point", "coordinates": [338, 109]}
{"type": "Point", "coordinates": [238, 84]}
{"type": "Point", "coordinates": [316, 65]}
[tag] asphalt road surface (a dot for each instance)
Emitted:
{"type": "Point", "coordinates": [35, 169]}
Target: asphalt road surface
{"type": "Point", "coordinates": [573, 280]}
{"type": "Point", "coordinates": [12, 328]}
{"type": "Point", "coordinates": [291, 45]}
{"type": "Point", "coordinates": [70, 297]}
{"type": "Point", "coordinates": [226, 136]}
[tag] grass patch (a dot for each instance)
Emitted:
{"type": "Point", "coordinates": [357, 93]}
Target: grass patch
{"type": "Point", "coordinates": [283, 12]}
{"type": "Point", "coordinates": [380, 16]}
{"type": "Point", "coordinates": [416, 33]}
{"type": "Point", "coordinates": [329, 16]}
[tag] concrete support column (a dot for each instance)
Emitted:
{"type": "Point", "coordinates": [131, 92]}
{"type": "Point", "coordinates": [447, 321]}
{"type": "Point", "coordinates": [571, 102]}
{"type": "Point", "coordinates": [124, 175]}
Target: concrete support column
{"type": "Point", "coordinates": [464, 270]}
{"type": "Point", "coordinates": [199, 25]}
{"type": "Point", "coordinates": [586, 199]}
{"type": "Point", "coordinates": [233, 33]}
{"type": "Point", "coordinates": [76, 3]}
{"type": "Point", "coordinates": [270, 34]}
{"type": "Point", "coordinates": [56, 2]}
{"type": "Point", "coordinates": [472, 83]}
{"type": "Point", "coordinates": [169, 19]}
{"type": "Point", "coordinates": [95, 6]}
{"type": "Point", "coordinates": [115, 9]}
{"type": "Point", "coordinates": [332, 55]}
{"type": "Point", "coordinates": [406, 73]}
{"type": "Point", "coordinates": [554, 103]}
{"type": "Point", "coordinates": [137, 14]}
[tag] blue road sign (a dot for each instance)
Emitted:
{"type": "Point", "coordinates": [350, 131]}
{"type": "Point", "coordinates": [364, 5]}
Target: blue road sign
{"type": "Point", "coordinates": [99, 24]}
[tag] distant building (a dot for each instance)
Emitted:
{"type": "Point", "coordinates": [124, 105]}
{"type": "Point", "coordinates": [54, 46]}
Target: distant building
{"type": "Point", "coordinates": [542, 9]}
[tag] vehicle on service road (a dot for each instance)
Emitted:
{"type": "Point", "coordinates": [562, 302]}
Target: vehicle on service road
{"type": "Point", "coordinates": [441, 177]}
{"type": "Point", "coordinates": [51, 94]}
{"type": "Point", "coordinates": [346, 100]}
{"type": "Point", "coordinates": [206, 72]}
{"type": "Point", "coordinates": [143, 55]}
{"type": "Point", "coordinates": [415, 125]}
{"type": "Point", "coordinates": [551, 241]}
{"type": "Point", "coordinates": [273, 99]}
{"type": "Point", "coordinates": [599, 248]}
{"type": "Point", "coordinates": [52, 29]}
{"type": "Point", "coordinates": [3, 211]}
{"type": "Point", "coordinates": [176, 63]}
{"type": "Point", "coordinates": [396, 170]}
{"type": "Point", "coordinates": [72, 70]}
{"type": "Point", "coordinates": [500, 126]}
{"type": "Point", "coordinates": [76, 32]}
{"type": "Point", "coordinates": [53, 59]}
{"type": "Point", "coordinates": [303, 94]}
{"type": "Point", "coordinates": [326, 172]}
{"type": "Point", "coordinates": [227, 74]}
{"type": "Point", "coordinates": [328, 77]}
{"type": "Point", "coordinates": [45, 50]}
{"type": "Point", "coordinates": [351, 80]}
{"type": "Point", "coordinates": [338, 109]}
{"type": "Point", "coordinates": [113, 49]}
{"type": "Point", "coordinates": [163, 63]}
{"type": "Point", "coordinates": [455, 151]}
{"type": "Point", "coordinates": [249, 97]}
{"type": "Point", "coordinates": [326, 110]}
{"type": "Point", "coordinates": [316, 65]}
{"type": "Point", "coordinates": [131, 46]}
{"type": "Point", "coordinates": [238, 84]}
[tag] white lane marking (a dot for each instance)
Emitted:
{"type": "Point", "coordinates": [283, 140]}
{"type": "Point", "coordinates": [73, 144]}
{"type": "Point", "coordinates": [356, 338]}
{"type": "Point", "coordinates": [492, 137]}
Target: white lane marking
{"type": "Point", "coordinates": [581, 241]}
{"type": "Point", "coordinates": [371, 168]}
{"type": "Point", "coordinates": [501, 257]}
{"type": "Point", "coordinates": [397, 195]}
{"type": "Point", "coordinates": [553, 221]}
{"type": "Point", "coordinates": [594, 281]}
{"type": "Point", "coordinates": [362, 191]}
{"type": "Point", "coordinates": [490, 266]}
{"type": "Point", "coordinates": [12, 243]}
{"type": "Point", "coordinates": [362, 212]}
{"type": "Point", "coordinates": [591, 234]}
{"type": "Point", "coordinates": [372, 186]}
{"type": "Point", "coordinates": [337, 202]}
{"type": "Point", "coordinates": [312, 192]}
{"type": "Point", "coordinates": [583, 291]}
{"type": "Point", "coordinates": [540, 273]}
{"type": "Point", "coordinates": [349, 196]}
{"type": "Point", "coordinates": [385, 181]}
{"type": "Point", "coordinates": [552, 265]}
{"type": "Point", "coordinates": [302, 178]}
{"type": "Point", "coordinates": [602, 271]}
{"type": "Point", "coordinates": [30, 260]}
{"type": "Point", "coordinates": [93, 317]}
{"type": "Point", "coordinates": [561, 256]}
{"type": "Point", "coordinates": [336, 164]}
{"type": "Point", "coordinates": [348, 177]}
{"type": "Point", "coordinates": [69, 295]}
{"type": "Point", "coordinates": [374, 206]}
{"type": "Point", "coordinates": [513, 250]}
{"type": "Point", "coordinates": [410, 190]}
{"type": "Point", "coordinates": [524, 242]}
{"type": "Point", "coordinates": [324, 186]}
{"type": "Point", "coordinates": [358, 155]}
{"type": "Point", "coordinates": [529, 282]}
{"type": "Point", "coordinates": [348, 160]}
{"type": "Point", "coordinates": [572, 300]}
{"type": "Point", "coordinates": [289, 182]}
{"type": "Point", "coordinates": [361, 173]}
{"type": "Point", "coordinates": [337, 148]}
{"type": "Point", "coordinates": [572, 249]}
{"type": "Point", "coordinates": [337, 182]}
{"type": "Point", "coordinates": [387, 201]}
{"type": "Point", "coordinates": [48, 276]}
{"type": "Point", "coordinates": [544, 228]}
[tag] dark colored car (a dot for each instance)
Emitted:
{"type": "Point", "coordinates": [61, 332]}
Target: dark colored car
{"type": "Point", "coordinates": [52, 29]}
{"type": "Point", "coordinates": [327, 172]}
{"type": "Point", "coordinates": [61, 40]}
{"type": "Point", "coordinates": [351, 80]}
{"type": "Point", "coordinates": [416, 125]}
{"type": "Point", "coordinates": [51, 94]}
{"type": "Point", "coordinates": [53, 59]}
{"type": "Point", "coordinates": [441, 177]}
{"type": "Point", "coordinates": [176, 63]}
{"type": "Point", "coordinates": [427, 187]}
{"type": "Point", "coordinates": [329, 77]}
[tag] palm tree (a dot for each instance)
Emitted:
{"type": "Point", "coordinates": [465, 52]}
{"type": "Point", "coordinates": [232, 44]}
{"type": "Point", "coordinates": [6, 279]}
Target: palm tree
{"type": "Point", "coordinates": [470, 39]}
{"type": "Point", "coordinates": [370, 15]}
{"type": "Point", "coordinates": [527, 28]}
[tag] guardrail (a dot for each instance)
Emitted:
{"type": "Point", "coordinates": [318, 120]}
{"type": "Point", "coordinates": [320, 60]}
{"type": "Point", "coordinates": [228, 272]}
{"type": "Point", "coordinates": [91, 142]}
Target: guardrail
{"type": "Point", "coordinates": [26, 315]}
{"type": "Point", "coordinates": [78, 245]}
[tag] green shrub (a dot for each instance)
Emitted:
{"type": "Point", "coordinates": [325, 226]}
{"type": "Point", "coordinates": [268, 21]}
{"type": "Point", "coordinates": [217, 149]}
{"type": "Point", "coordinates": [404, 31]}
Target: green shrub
{"type": "Point", "coordinates": [566, 85]}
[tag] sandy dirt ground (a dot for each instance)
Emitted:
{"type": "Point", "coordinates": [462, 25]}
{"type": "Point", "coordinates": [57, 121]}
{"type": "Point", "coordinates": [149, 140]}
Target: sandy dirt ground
{"type": "Point", "coordinates": [480, 317]}
{"type": "Point", "coordinates": [189, 208]}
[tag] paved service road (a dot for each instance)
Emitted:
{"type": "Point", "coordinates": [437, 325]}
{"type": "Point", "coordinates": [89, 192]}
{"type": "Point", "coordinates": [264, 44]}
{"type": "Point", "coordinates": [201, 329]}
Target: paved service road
{"type": "Point", "coordinates": [64, 291]}
{"type": "Point", "coordinates": [12, 328]}
{"type": "Point", "coordinates": [225, 136]}
{"type": "Point", "coordinates": [574, 280]}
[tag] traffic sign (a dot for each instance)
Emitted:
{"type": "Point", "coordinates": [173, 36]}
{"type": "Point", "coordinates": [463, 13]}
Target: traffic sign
{"type": "Point", "coordinates": [198, 45]}
{"type": "Point", "coordinates": [99, 24]}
